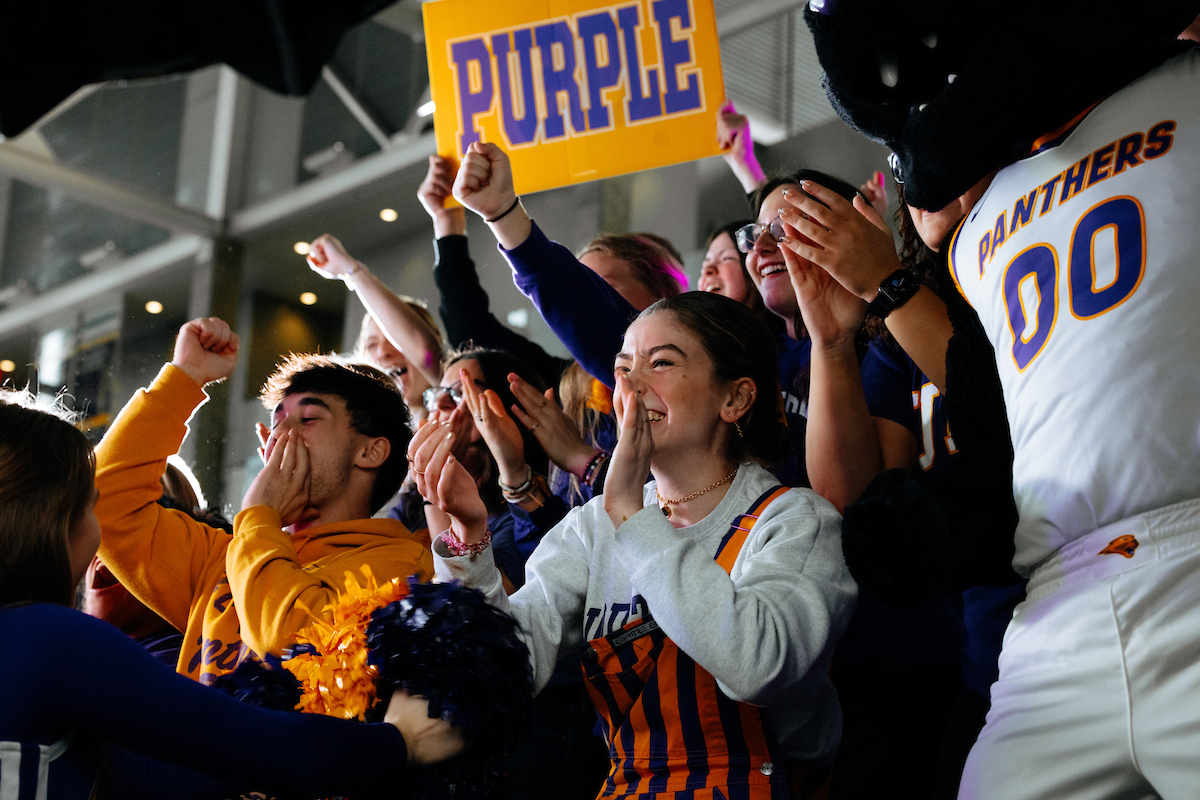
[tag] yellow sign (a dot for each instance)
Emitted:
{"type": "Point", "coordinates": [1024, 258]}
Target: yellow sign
{"type": "Point", "coordinates": [574, 90]}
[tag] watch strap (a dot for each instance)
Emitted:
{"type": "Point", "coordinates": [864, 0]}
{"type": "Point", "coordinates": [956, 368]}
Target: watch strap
{"type": "Point", "coordinates": [894, 291]}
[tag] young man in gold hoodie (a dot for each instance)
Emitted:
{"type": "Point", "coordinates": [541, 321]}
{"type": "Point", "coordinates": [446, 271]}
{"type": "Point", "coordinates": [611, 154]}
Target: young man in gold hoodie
{"type": "Point", "coordinates": [334, 453]}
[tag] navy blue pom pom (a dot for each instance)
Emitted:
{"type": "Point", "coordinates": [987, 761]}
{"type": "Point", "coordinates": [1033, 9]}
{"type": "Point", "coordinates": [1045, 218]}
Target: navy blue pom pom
{"type": "Point", "coordinates": [253, 683]}
{"type": "Point", "coordinates": [445, 643]}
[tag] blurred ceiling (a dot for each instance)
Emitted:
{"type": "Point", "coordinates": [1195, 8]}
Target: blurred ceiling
{"type": "Point", "coordinates": [106, 176]}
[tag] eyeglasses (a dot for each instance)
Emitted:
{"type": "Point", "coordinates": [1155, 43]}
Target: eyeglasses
{"type": "Point", "coordinates": [433, 395]}
{"type": "Point", "coordinates": [747, 235]}
{"type": "Point", "coordinates": [897, 170]}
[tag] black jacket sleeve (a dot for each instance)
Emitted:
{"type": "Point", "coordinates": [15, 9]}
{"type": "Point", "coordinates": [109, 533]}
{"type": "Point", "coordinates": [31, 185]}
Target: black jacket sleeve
{"type": "Point", "coordinates": [464, 308]}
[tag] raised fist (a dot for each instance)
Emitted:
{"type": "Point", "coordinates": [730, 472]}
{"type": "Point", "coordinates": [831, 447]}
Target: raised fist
{"type": "Point", "coordinates": [328, 257]}
{"type": "Point", "coordinates": [206, 349]}
{"type": "Point", "coordinates": [484, 183]}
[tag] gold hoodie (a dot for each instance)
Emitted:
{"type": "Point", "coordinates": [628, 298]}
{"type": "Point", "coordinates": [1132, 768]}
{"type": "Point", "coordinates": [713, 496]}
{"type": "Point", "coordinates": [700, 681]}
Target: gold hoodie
{"type": "Point", "coordinates": [230, 595]}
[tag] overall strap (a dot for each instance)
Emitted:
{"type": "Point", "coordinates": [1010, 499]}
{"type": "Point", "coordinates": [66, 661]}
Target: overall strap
{"type": "Point", "coordinates": [671, 731]}
{"type": "Point", "coordinates": [739, 531]}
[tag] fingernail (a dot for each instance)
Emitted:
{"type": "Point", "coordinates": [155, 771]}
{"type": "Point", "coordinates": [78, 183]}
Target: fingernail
{"type": "Point", "coordinates": [787, 192]}
{"type": "Point", "coordinates": [805, 184]}
{"type": "Point", "coordinates": [780, 211]}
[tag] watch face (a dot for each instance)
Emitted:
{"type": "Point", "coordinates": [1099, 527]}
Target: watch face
{"type": "Point", "coordinates": [895, 289]}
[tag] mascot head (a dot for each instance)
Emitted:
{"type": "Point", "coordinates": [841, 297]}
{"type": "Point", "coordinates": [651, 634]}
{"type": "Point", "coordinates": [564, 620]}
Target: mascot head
{"type": "Point", "coordinates": [958, 89]}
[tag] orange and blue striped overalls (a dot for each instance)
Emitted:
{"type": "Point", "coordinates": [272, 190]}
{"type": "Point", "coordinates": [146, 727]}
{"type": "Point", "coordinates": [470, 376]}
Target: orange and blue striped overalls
{"type": "Point", "coordinates": [671, 730]}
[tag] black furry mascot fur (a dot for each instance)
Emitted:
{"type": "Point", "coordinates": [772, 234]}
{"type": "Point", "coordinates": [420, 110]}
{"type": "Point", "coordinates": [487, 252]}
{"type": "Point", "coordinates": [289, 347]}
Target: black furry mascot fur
{"type": "Point", "coordinates": [958, 90]}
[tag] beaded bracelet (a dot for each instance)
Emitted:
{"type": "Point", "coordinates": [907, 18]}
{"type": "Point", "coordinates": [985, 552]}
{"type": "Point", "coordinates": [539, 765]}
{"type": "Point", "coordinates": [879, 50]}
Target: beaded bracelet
{"type": "Point", "coordinates": [592, 471]}
{"type": "Point", "coordinates": [458, 548]}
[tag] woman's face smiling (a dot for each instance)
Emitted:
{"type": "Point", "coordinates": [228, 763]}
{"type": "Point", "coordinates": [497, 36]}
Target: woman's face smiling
{"type": "Point", "coordinates": [380, 351]}
{"type": "Point", "coordinates": [765, 261]}
{"type": "Point", "coordinates": [722, 270]}
{"type": "Point", "coordinates": [674, 376]}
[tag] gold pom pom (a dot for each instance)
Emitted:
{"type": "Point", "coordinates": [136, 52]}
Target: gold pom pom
{"type": "Point", "coordinates": [337, 680]}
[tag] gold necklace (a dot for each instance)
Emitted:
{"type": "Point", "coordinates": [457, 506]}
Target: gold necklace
{"type": "Point", "coordinates": [666, 504]}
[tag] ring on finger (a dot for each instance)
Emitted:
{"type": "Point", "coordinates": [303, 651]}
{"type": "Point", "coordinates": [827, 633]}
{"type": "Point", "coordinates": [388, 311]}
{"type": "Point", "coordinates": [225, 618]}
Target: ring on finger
{"type": "Point", "coordinates": [536, 425]}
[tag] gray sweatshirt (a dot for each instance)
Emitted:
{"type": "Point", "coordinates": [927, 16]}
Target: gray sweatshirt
{"type": "Point", "coordinates": [765, 632]}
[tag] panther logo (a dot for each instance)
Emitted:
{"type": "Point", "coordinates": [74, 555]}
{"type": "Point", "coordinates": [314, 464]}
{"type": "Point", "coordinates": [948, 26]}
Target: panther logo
{"type": "Point", "coordinates": [1122, 546]}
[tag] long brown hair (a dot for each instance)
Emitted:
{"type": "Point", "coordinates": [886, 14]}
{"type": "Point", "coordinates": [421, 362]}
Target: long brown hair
{"type": "Point", "coordinates": [915, 256]}
{"type": "Point", "coordinates": [47, 476]}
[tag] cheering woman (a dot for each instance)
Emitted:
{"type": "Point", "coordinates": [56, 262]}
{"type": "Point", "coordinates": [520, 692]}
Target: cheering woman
{"type": "Point", "coordinates": [706, 602]}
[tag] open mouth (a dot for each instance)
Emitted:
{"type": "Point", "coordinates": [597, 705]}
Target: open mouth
{"type": "Point", "coordinates": [712, 287]}
{"type": "Point", "coordinates": [102, 578]}
{"type": "Point", "coordinates": [771, 269]}
{"type": "Point", "coordinates": [398, 372]}
{"type": "Point", "coordinates": [655, 416]}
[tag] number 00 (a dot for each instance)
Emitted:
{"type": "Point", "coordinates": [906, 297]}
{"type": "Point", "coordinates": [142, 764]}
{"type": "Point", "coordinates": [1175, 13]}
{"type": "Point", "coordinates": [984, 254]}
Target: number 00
{"type": "Point", "coordinates": [1033, 275]}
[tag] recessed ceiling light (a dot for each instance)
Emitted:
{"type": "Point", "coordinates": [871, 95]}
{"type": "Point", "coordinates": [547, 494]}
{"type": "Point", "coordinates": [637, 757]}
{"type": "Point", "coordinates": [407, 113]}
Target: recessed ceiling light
{"type": "Point", "coordinates": [308, 298]}
{"type": "Point", "coordinates": [301, 248]}
{"type": "Point", "coordinates": [7, 366]}
{"type": "Point", "coordinates": [154, 307]}
{"type": "Point", "coordinates": [388, 215]}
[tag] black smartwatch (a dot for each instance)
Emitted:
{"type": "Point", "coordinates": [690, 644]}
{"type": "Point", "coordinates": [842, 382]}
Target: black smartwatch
{"type": "Point", "coordinates": [894, 291]}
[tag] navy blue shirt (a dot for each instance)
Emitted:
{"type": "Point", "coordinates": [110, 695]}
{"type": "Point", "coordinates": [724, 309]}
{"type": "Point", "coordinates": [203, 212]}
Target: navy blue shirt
{"type": "Point", "coordinates": [898, 391]}
{"type": "Point", "coordinates": [68, 678]}
{"type": "Point", "coordinates": [795, 361]}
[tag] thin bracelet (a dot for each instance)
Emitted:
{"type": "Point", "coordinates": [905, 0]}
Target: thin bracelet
{"type": "Point", "coordinates": [517, 498]}
{"type": "Point", "coordinates": [523, 488]}
{"type": "Point", "coordinates": [591, 464]}
{"type": "Point", "coordinates": [459, 548]}
{"type": "Point", "coordinates": [348, 278]}
{"type": "Point", "coordinates": [516, 202]}
{"type": "Point", "coordinates": [594, 466]}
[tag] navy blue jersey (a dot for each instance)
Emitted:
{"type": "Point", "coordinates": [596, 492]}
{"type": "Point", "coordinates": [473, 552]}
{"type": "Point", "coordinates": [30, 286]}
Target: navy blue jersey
{"type": "Point", "coordinates": [795, 358]}
{"type": "Point", "coordinates": [898, 391]}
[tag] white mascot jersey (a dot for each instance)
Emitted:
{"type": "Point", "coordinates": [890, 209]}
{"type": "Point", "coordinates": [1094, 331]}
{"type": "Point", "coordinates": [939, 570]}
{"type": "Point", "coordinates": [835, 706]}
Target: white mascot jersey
{"type": "Point", "coordinates": [1083, 262]}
